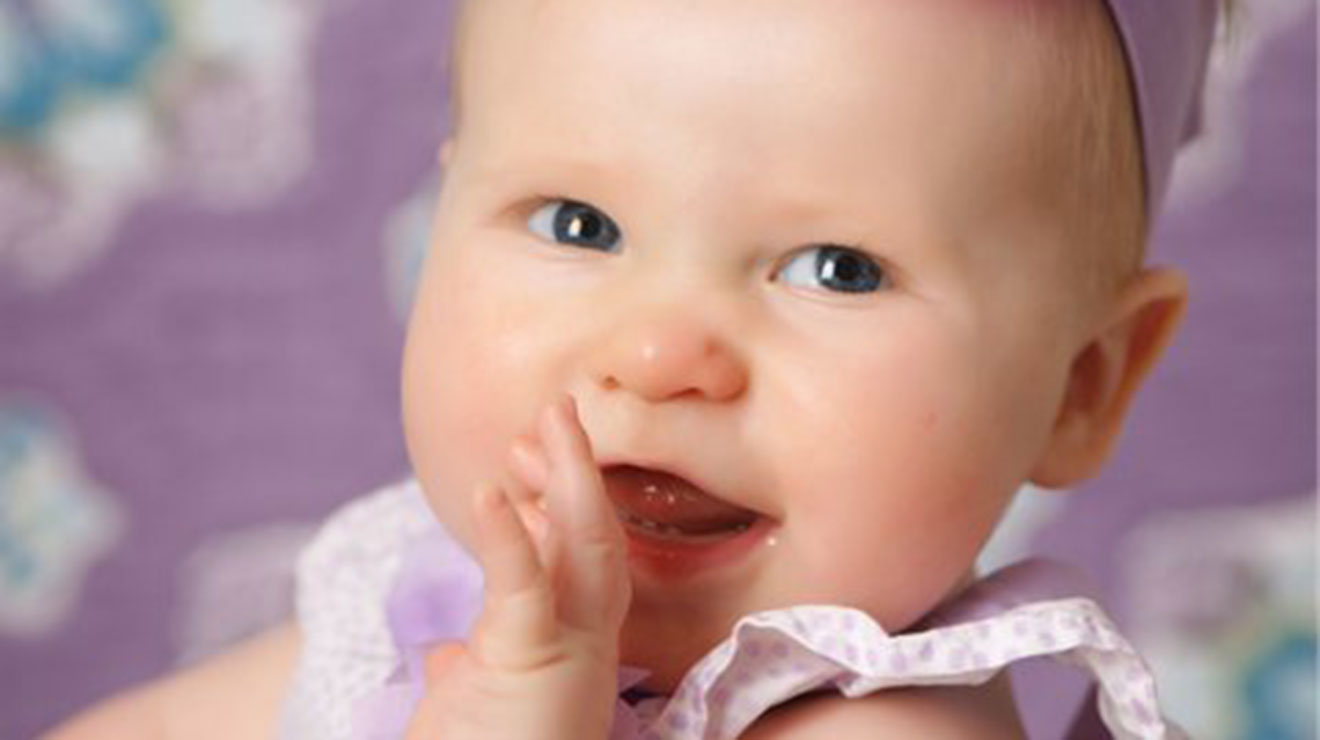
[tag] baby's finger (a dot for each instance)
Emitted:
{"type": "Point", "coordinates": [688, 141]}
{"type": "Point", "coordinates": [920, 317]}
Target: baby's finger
{"type": "Point", "coordinates": [504, 547]}
{"type": "Point", "coordinates": [531, 471]}
{"type": "Point", "coordinates": [537, 524]}
{"type": "Point", "coordinates": [594, 558]}
{"type": "Point", "coordinates": [518, 614]}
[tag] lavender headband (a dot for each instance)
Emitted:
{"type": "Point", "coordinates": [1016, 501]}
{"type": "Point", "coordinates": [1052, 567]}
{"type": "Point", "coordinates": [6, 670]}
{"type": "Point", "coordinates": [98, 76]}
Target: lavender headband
{"type": "Point", "coordinates": [1168, 45]}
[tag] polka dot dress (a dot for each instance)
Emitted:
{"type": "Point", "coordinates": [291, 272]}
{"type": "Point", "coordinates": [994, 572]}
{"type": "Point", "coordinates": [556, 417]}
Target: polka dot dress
{"type": "Point", "coordinates": [774, 656]}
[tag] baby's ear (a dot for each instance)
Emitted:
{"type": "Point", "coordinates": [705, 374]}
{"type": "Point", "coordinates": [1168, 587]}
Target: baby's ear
{"type": "Point", "coordinates": [1106, 374]}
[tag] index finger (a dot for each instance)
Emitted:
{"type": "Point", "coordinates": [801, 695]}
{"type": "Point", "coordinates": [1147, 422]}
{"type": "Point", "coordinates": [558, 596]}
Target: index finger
{"type": "Point", "coordinates": [594, 558]}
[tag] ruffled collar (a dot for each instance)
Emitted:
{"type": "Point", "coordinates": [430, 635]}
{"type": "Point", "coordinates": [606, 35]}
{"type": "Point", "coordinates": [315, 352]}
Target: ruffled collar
{"type": "Point", "coordinates": [1027, 610]}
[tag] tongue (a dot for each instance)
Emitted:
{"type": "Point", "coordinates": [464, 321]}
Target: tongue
{"type": "Point", "coordinates": [668, 500]}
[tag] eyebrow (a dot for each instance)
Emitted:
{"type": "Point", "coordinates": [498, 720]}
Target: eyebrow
{"type": "Point", "coordinates": [547, 168]}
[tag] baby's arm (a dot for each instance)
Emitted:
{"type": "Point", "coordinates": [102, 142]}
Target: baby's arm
{"type": "Point", "coordinates": [931, 713]}
{"type": "Point", "coordinates": [234, 696]}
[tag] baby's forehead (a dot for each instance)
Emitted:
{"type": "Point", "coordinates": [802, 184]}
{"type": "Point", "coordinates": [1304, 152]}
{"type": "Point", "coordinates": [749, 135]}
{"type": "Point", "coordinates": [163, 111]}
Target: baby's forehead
{"type": "Point", "coordinates": [810, 88]}
{"type": "Point", "coordinates": [808, 56]}
{"type": "Point", "coordinates": [824, 50]}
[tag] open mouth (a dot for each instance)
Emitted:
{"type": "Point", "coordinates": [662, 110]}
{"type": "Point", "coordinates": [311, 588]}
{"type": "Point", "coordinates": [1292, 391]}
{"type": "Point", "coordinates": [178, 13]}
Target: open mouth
{"type": "Point", "coordinates": [674, 526]}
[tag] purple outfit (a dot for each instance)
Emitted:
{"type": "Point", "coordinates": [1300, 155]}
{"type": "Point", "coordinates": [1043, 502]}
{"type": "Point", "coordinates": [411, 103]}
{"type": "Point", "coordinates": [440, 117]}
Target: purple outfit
{"type": "Point", "coordinates": [383, 581]}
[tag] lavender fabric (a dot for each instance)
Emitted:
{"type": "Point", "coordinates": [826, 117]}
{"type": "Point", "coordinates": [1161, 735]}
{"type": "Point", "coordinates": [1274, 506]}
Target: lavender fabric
{"type": "Point", "coordinates": [436, 599]}
{"type": "Point", "coordinates": [1168, 45]}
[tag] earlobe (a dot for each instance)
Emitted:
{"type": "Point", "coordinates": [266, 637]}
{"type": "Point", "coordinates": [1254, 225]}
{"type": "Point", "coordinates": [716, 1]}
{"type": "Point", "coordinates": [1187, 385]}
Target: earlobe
{"type": "Point", "coordinates": [1106, 373]}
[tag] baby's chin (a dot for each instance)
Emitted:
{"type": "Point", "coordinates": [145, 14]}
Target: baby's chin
{"type": "Point", "coordinates": [665, 669]}
{"type": "Point", "coordinates": [668, 648]}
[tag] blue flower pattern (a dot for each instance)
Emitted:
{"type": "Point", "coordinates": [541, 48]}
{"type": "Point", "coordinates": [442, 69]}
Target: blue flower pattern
{"type": "Point", "coordinates": [53, 521]}
{"type": "Point", "coordinates": [1279, 687]}
{"type": "Point", "coordinates": [54, 51]}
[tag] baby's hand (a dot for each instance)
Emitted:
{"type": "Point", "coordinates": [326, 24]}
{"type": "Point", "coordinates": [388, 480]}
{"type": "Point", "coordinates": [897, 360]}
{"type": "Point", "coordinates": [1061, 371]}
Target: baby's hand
{"type": "Point", "coordinates": [542, 659]}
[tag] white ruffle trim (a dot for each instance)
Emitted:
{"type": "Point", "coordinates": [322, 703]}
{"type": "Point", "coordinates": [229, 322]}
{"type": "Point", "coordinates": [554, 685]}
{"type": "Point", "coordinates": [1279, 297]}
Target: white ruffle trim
{"type": "Point", "coordinates": [774, 656]}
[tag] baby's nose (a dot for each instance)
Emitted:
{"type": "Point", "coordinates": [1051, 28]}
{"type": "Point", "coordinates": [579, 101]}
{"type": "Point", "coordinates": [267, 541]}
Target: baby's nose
{"type": "Point", "coordinates": [665, 357]}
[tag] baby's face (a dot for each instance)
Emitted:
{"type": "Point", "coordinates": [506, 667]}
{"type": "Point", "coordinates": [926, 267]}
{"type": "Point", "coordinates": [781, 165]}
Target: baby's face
{"type": "Point", "coordinates": [784, 250]}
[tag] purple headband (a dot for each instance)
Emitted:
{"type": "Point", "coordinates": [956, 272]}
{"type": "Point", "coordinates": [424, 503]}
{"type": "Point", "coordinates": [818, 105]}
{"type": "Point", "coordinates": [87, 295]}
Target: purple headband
{"type": "Point", "coordinates": [1168, 46]}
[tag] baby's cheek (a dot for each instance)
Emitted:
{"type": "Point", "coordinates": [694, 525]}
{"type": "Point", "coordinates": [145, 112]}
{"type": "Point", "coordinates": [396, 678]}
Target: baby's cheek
{"type": "Point", "coordinates": [898, 574]}
{"type": "Point", "coordinates": [455, 411]}
{"type": "Point", "coordinates": [900, 545]}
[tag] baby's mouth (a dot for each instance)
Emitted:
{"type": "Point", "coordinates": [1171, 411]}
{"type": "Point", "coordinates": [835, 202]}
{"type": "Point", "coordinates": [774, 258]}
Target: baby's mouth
{"type": "Point", "coordinates": [667, 509]}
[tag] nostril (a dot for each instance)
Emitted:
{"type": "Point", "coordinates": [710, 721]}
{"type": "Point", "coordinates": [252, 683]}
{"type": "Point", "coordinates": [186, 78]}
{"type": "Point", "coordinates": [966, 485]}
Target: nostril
{"type": "Point", "coordinates": [667, 358]}
{"type": "Point", "coordinates": [691, 394]}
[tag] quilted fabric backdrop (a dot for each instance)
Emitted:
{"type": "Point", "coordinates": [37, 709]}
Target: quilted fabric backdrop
{"type": "Point", "coordinates": [210, 215]}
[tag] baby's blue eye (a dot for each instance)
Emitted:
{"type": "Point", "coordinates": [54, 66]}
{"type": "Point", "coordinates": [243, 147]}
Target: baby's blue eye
{"type": "Point", "coordinates": [834, 268]}
{"type": "Point", "coordinates": [579, 224]}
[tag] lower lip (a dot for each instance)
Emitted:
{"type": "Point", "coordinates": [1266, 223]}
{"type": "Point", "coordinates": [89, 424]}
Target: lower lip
{"type": "Point", "coordinates": [672, 560]}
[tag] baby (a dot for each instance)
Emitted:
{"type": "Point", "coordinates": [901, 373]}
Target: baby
{"type": "Point", "coordinates": [734, 308]}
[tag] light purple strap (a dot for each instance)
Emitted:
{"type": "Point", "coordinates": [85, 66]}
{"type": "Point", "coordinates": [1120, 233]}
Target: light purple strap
{"type": "Point", "coordinates": [1168, 46]}
{"type": "Point", "coordinates": [436, 597]}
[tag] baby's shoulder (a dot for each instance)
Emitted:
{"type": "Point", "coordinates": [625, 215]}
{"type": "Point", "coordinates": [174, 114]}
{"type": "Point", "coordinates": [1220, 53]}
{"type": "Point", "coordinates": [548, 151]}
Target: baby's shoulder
{"type": "Point", "coordinates": [934, 712]}
{"type": "Point", "coordinates": [230, 696]}
{"type": "Point", "coordinates": [342, 576]}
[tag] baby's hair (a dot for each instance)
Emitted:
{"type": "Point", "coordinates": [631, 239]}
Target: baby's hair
{"type": "Point", "coordinates": [1090, 144]}
{"type": "Point", "coordinates": [1096, 109]}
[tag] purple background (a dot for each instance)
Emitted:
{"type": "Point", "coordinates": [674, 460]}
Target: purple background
{"type": "Point", "coordinates": [218, 370]}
